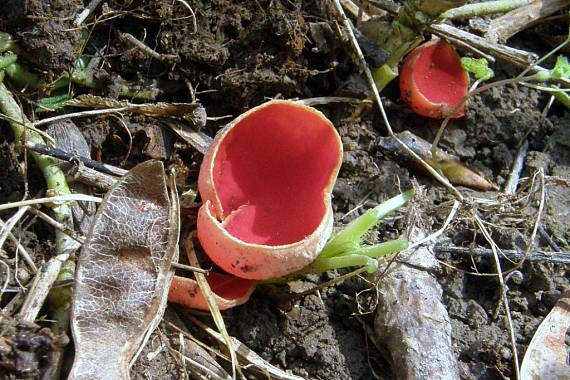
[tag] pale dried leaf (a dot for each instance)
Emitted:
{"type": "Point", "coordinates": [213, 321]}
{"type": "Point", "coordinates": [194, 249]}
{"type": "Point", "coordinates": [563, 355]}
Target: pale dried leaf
{"type": "Point", "coordinates": [546, 356]}
{"type": "Point", "coordinates": [123, 274]}
{"type": "Point", "coordinates": [191, 112]}
{"type": "Point", "coordinates": [199, 140]}
{"type": "Point", "coordinates": [212, 304]}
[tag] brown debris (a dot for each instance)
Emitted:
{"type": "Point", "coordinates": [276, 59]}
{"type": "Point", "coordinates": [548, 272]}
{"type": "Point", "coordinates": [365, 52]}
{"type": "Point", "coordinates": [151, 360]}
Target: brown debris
{"type": "Point", "coordinates": [451, 167]}
{"type": "Point", "coordinates": [26, 349]}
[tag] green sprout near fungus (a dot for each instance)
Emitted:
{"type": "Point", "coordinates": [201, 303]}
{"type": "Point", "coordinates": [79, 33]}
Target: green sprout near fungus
{"type": "Point", "coordinates": [346, 248]}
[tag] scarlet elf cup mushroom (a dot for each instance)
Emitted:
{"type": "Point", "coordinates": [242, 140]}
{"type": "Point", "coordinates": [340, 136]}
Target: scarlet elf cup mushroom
{"type": "Point", "coordinates": [433, 81]}
{"type": "Point", "coordinates": [266, 183]}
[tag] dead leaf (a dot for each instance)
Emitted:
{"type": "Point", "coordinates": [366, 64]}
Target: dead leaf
{"type": "Point", "coordinates": [546, 356]}
{"type": "Point", "coordinates": [124, 273]}
{"type": "Point", "coordinates": [451, 167]}
{"type": "Point", "coordinates": [191, 112]}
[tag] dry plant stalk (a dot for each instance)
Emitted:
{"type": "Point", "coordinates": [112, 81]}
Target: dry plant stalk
{"type": "Point", "coordinates": [124, 273]}
{"type": "Point", "coordinates": [450, 165]}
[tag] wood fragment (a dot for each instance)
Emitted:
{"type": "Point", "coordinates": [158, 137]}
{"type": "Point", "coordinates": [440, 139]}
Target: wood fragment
{"type": "Point", "coordinates": [504, 27]}
{"type": "Point", "coordinates": [514, 176]}
{"type": "Point", "coordinates": [127, 37]}
{"type": "Point", "coordinates": [92, 177]}
{"type": "Point", "coordinates": [67, 156]}
{"type": "Point", "coordinates": [412, 321]}
{"type": "Point", "coordinates": [502, 52]}
{"type": "Point", "coordinates": [562, 258]}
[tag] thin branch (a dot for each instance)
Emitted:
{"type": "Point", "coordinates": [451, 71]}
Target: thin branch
{"type": "Point", "coordinates": [562, 258]}
{"type": "Point", "coordinates": [63, 155]}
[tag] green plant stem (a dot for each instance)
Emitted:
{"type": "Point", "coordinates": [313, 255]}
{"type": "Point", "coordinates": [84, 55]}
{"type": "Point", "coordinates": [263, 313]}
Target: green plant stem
{"type": "Point", "coordinates": [325, 264]}
{"type": "Point", "coordinates": [56, 182]}
{"type": "Point", "coordinates": [7, 59]}
{"type": "Point", "coordinates": [382, 249]}
{"type": "Point", "coordinates": [384, 75]}
{"type": "Point", "coordinates": [85, 78]}
{"type": "Point", "coordinates": [349, 238]}
{"type": "Point", "coordinates": [22, 77]}
{"type": "Point", "coordinates": [482, 9]}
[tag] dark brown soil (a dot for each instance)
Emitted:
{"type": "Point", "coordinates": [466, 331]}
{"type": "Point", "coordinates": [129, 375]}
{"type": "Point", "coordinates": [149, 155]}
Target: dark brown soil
{"type": "Point", "coordinates": [242, 53]}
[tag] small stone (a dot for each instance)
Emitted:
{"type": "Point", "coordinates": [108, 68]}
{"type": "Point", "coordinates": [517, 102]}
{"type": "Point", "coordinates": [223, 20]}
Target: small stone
{"type": "Point", "coordinates": [506, 353]}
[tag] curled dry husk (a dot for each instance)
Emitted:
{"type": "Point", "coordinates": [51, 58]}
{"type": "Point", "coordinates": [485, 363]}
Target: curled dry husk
{"type": "Point", "coordinates": [266, 184]}
{"type": "Point", "coordinates": [433, 82]}
{"type": "Point", "coordinates": [547, 354]}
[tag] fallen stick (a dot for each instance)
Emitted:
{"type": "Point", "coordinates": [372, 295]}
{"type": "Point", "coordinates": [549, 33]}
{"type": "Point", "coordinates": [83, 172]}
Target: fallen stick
{"type": "Point", "coordinates": [412, 321]}
{"type": "Point", "coordinates": [504, 27]}
{"type": "Point", "coordinates": [547, 257]}
{"type": "Point", "coordinates": [63, 155]}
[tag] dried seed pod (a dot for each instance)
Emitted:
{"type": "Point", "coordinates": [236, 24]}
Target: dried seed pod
{"type": "Point", "coordinates": [123, 274]}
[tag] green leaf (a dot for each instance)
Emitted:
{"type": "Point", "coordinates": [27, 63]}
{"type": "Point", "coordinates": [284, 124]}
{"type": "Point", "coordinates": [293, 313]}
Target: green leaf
{"type": "Point", "coordinates": [52, 103]}
{"type": "Point", "coordinates": [478, 67]}
{"type": "Point", "coordinates": [561, 68]}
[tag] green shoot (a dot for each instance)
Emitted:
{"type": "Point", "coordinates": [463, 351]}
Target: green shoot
{"type": "Point", "coordinates": [345, 249]}
{"type": "Point", "coordinates": [350, 238]}
{"type": "Point", "coordinates": [479, 68]}
{"type": "Point", "coordinates": [7, 59]}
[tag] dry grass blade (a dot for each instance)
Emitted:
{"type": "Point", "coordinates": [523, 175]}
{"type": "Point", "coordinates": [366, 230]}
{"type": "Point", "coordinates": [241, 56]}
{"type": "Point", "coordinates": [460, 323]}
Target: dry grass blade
{"type": "Point", "coordinates": [248, 356]}
{"type": "Point", "coordinates": [191, 112]}
{"type": "Point", "coordinates": [123, 274]}
{"type": "Point", "coordinates": [212, 304]}
{"type": "Point", "coordinates": [54, 199]}
{"type": "Point", "coordinates": [40, 287]}
{"type": "Point", "coordinates": [504, 297]}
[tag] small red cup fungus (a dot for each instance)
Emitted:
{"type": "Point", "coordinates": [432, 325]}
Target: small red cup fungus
{"type": "Point", "coordinates": [266, 183]}
{"type": "Point", "coordinates": [228, 291]}
{"type": "Point", "coordinates": [433, 82]}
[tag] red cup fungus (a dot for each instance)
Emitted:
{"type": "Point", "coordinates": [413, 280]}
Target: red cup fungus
{"type": "Point", "coordinates": [433, 82]}
{"type": "Point", "coordinates": [228, 291]}
{"type": "Point", "coordinates": [266, 183]}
